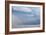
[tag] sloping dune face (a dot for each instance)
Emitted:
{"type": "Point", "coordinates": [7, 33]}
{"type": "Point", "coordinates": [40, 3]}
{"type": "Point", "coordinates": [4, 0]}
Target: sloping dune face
{"type": "Point", "coordinates": [23, 16]}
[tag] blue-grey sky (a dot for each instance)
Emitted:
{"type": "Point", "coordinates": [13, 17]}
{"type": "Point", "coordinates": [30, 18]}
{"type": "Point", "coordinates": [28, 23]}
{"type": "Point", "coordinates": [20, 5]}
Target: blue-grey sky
{"type": "Point", "coordinates": [25, 15]}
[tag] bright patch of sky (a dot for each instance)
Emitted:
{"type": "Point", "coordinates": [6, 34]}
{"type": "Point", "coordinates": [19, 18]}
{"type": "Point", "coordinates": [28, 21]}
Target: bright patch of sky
{"type": "Point", "coordinates": [22, 9]}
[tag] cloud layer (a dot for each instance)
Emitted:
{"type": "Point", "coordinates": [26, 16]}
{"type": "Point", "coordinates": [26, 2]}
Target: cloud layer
{"type": "Point", "coordinates": [22, 9]}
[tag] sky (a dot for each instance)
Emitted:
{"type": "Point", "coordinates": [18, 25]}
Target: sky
{"type": "Point", "coordinates": [25, 15]}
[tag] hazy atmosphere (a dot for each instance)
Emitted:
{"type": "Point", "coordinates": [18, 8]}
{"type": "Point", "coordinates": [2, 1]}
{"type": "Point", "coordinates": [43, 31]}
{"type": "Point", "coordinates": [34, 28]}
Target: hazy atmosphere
{"type": "Point", "coordinates": [25, 17]}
